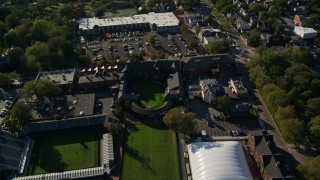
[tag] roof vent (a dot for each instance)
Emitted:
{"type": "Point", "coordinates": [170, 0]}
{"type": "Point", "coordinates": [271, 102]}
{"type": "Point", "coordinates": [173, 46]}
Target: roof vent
{"type": "Point", "coordinates": [268, 143]}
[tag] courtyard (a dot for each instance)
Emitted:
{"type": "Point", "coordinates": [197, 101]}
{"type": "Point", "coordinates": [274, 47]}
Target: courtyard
{"type": "Point", "coordinates": [63, 151]}
{"type": "Point", "coordinates": [151, 94]}
{"type": "Point", "coordinates": [150, 152]}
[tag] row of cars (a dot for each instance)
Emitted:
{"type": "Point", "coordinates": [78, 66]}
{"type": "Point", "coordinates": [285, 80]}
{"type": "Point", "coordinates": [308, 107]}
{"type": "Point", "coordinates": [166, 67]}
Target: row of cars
{"type": "Point", "coordinates": [237, 133]}
{"type": "Point", "coordinates": [8, 104]}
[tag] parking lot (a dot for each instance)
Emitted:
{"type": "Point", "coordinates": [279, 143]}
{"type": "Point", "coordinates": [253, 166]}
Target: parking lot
{"type": "Point", "coordinates": [120, 45]}
{"type": "Point", "coordinates": [213, 122]}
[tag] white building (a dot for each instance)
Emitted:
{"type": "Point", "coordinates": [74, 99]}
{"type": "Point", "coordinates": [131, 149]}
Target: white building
{"type": "Point", "coordinates": [305, 33]}
{"type": "Point", "coordinates": [237, 88]}
{"type": "Point", "coordinates": [160, 22]}
{"type": "Point", "coordinates": [207, 89]}
{"type": "Point", "coordinates": [218, 160]}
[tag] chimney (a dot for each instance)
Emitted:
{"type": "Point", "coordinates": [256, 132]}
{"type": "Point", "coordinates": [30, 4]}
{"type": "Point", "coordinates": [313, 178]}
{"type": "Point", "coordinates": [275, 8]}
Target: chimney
{"type": "Point", "coordinates": [278, 163]}
{"type": "Point", "coordinates": [268, 143]}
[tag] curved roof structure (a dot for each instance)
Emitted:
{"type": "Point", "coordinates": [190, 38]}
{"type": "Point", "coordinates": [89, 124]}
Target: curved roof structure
{"type": "Point", "coordinates": [218, 161]}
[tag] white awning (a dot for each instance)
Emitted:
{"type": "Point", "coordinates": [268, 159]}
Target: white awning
{"type": "Point", "coordinates": [218, 160]}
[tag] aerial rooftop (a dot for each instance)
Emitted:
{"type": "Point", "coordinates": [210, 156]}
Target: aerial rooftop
{"type": "Point", "coordinates": [160, 19]}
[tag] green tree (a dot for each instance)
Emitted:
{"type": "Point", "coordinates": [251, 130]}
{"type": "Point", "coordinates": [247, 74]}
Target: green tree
{"type": "Point", "coordinates": [152, 39]}
{"type": "Point", "coordinates": [254, 39]}
{"type": "Point", "coordinates": [12, 20]}
{"type": "Point", "coordinates": [19, 117]}
{"type": "Point", "coordinates": [179, 121]}
{"type": "Point", "coordinates": [293, 131]}
{"type": "Point", "coordinates": [223, 102]}
{"type": "Point", "coordinates": [15, 57]}
{"type": "Point", "coordinates": [39, 53]}
{"type": "Point", "coordinates": [216, 47]}
{"type": "Point", "coordinates": [313, 107]}
{"type": "Point", "coordinates": [284, 113]}
{"type": "Point", "coordinates": [310, 168]}
{"type": "Point", "coordinates": [66, 11]}
{"type": "Point", "coordinates": [3, 30]}
{"type": "Point", "coordinates": [41, 29]}
{"type": "Point", "coordinates": [314, 130]}
{"type": "Point", "coordinates": [4, 80]}
{"type": "Point", "coordinates": [41, 88]}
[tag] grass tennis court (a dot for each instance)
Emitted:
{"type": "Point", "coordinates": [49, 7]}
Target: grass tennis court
{"type": "Point", "coordinates": [150, 153]}
{"type": "Point", "coordinates": [64, 151]}
{"type": "Point", "coordinates": [151, 94]}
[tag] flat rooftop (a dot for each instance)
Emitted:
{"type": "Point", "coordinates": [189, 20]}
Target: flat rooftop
{"type": "Point", "coordinates": [59, 76]}
{"type": "Point", "coordinates": [160, 19]}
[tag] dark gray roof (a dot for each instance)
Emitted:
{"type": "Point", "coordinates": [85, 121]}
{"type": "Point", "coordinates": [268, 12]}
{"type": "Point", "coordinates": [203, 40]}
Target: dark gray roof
{"type": "Point", "coordinates": [174, 81]}
{"type": "Point", "coordinates": [206, 61]}
{"type": "Point", "coordinates": [151, 66]}
{"type": "Point", "coordinates": [274, 167]}
{"type": "Point", "coordinates": [12, 151]}
{"type": "Point", "coordinates": [50, 125]}
{"type": "Point", "coordinates": [97, 78]}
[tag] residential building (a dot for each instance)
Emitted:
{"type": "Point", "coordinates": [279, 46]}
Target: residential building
{"type": "Point", "coordinates": [305, 33]}
{"type": "Point", "coordinates": [159, 22]}
{"type": "Point", "coordinates": [242, 25]}
{"type": "Point", "coordinates": [271, 163]}
{"type": "Point", "coordinates": [210, 89]}
{"type": "Point", "coordinates": [193, 18]}
{"type": "Point", "coordinates": [237, 88]}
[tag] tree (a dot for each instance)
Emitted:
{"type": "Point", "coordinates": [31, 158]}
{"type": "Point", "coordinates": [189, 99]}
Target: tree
{"type": "Point", "coordinates": [41, 88]}
{"type": "Point", "coordinates": [254, 38]}
{"type": "Point", "coordinates": [313, 105]}
{"type": "Point", "coordinates": [41, 29]}
{"type": "Point", "coordinates": [284, 113]}
{"type": "Point", "coordinates": [293, 130]}
{"type": "Point", "coordinates": [15, 57]}
{"type": "Point", "coordinates": [39, 53]}
{"type": "Point", "coordinates": [4, 80]}
{"type": "Point", "coordinates": [66, 11]}
{"type": "Point", "coordinates": [314, 130]}
{"type": "Point", "coordinates": [152, 39]}
{"type": "Point", "coordinates": [19, 117]}
{"type": "Point", "coordinates": [310, 168]}
{"type": "Point", "coordinates": [216, 47]}
{"type": "Point", "coordinates": [3, 30]}
{"type": "Point", "coordinates": [12, 20]}
{"type": "Point", "coordinates": [179, 121]}
{"type": "Point", "coordinates": [223, 102]}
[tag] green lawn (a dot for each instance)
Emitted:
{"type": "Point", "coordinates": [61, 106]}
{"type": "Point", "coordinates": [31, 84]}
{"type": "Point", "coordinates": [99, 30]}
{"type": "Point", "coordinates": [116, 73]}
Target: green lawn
{"type": "Point", "coordinates": [64, 151]}
{"type": "Point", "coordinates": [151, 94]}
{"type": "Point", "coordinates": [150, 153]}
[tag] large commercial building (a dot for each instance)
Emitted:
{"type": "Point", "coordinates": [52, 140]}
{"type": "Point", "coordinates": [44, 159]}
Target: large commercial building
{"type": "Point", "coordinates": [305, 33]}
{"type": "Point", "coordinates": [160, 22]}
{"type": "Point", "coordinates": [218, 160]}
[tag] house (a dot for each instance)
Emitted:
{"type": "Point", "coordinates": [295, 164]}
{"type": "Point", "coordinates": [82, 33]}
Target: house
{"type": "Point", "coordinates": [243, 12]}
{"type": "Point", "coordinates": [193, 18]}
{"type": "Point", "coordinates": [298, 19]}
{"type": "Point", "coordinates": [305, 33]}
{"type": "Point", "coordinates": [271, 163]}
{"type": "Point", "coordinates": [210, 89]}
{"type": "Point", "coordinates": [242, 25]}
{"type": "Point", "coordinates": [301, 10]}
{"type": "Point", "coordinates": [237, 88]}
{"type": "Point", "coordinates": [206, 40]}
{"type": "Point", "coordinates": [207, 90]}
{"type": "Point", "coordinates": [207, 35]}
